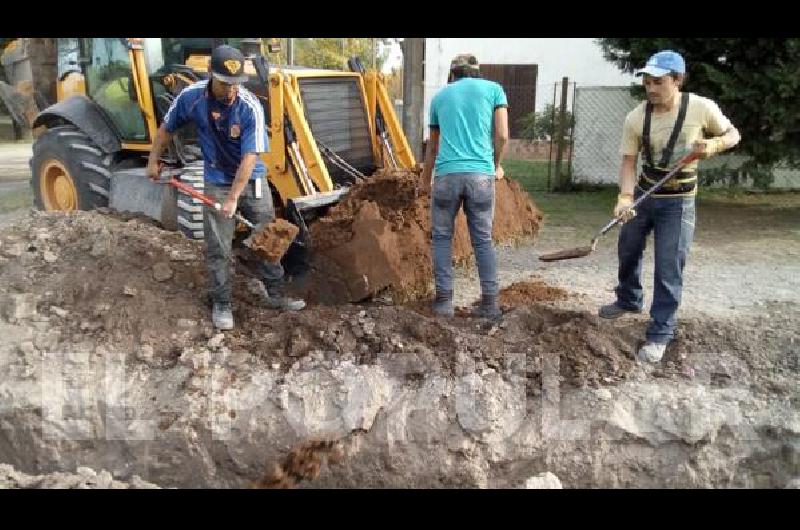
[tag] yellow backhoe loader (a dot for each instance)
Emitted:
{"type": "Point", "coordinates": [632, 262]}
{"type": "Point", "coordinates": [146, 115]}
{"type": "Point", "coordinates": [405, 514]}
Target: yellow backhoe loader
{"type": "Point", "coordinates": [327, 129]}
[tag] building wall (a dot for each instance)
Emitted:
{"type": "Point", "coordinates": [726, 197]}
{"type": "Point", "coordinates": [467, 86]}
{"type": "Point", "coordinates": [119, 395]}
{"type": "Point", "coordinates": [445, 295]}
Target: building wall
{"type": "Point", "coordinates": [519, 83]}
{"type": "Point", "coordinates": [580, 59]}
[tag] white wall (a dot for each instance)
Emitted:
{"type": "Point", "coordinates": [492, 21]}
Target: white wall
{"type": "Point", "coordinates": [580, 59]}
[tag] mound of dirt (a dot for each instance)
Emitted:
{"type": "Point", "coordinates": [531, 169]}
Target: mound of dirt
{"type": "Point", "coordinates": [274, 240]}
{"type": "Point", "coordinates": [303, 463]}
{"type": "Point", "coordinates": [521, 294]}
{"type": "Point", "coordinates": [79, 281]}
{"type": "Point", "coordinates": [84, 279]}
{"type": "Point", "coordinates": [378, 238]}
{"type": "Point", "coordinates": [104, 285]}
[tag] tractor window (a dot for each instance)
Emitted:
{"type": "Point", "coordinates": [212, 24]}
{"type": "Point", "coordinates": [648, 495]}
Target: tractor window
{"type": "Point", "coordinates": [109, 82]}
{"type": "Point", "coordinates": [68, 53]}
{"type": "Point", "coordinates": [153, 55]}
{"type": "Point", "coordinates": [176, 51]}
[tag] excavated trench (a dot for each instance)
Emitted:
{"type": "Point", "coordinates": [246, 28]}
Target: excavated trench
{"type": "Point", "coordinates": [108, 361]}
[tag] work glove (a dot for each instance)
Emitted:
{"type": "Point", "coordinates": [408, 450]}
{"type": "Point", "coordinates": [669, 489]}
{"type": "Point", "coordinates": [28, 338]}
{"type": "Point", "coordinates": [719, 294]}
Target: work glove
{"type": "Point", "coordinates": [623, 209]}
{"type": "Point", "coordinates": [709, 147]}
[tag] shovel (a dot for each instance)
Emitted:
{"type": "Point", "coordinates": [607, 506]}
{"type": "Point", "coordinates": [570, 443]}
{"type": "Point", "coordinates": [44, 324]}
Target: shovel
{"type": "Point", "coordinates": [254, 241]}
{"type": "Point", "coordinates": [579, 252]}
{"type": "Point", "coordinates": [202, 197]}
{"type": "Point", "coordinates": [259, 241]}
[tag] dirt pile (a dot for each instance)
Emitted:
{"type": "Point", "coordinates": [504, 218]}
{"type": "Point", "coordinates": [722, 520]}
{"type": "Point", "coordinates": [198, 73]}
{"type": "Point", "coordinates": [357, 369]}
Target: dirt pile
{"type": "Point", "coordinates": [378, 238]}
{"type": "Point", "coordinates": [104, 278]}
{"type": "Point", "coordinates": [274, 240]}
{"type": "Point", "coordinates": [85, 280]}
{"type": "Point", "coordinates": [521, 294]}
{"type": "Point", "coordinates": [303, 463]}
{"type": "Point", "coordinates": [112, 291]}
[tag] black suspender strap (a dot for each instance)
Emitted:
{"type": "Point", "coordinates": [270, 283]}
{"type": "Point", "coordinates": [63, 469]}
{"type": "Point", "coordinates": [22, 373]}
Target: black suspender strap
{"type": "Point", "coordinates": [685, 184]}
{"type": "Point", "coordinates": [648, 153]}
{"type": "Point", "coordinates": [667, 153]}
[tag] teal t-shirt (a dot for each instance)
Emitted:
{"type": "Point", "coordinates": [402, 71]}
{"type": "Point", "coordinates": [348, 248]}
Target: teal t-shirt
{"type": "Point", "coordinates": [463, 111]}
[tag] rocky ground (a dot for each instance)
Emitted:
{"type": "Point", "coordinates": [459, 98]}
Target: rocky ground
{"type": "Point", "coordinates": [83, 478]}
{"type": "Point", "coordinates": [109, 361]}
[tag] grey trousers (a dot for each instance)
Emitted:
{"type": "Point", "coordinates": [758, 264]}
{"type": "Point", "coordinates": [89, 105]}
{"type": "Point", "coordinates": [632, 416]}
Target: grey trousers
{"type": "Point", "coordinates": [220, 242]}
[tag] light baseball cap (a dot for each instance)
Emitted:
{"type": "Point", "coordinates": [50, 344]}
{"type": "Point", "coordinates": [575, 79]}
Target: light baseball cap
{"type": "Point", "coordinates": [466, 61]}
{"type": "Point", "coordinates": [663, 63]}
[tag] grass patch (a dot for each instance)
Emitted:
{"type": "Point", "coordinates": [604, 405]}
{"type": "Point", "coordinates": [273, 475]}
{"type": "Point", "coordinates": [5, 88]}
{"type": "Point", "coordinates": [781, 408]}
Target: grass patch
{"type": "Point", "coordinates": [16, 199]}
{"type": "Point", "coordinates": [741, 196]}
{"type": "Point", "coordinates": [584, 210]}
{"type": "Point", "coordinates": [531, 175]}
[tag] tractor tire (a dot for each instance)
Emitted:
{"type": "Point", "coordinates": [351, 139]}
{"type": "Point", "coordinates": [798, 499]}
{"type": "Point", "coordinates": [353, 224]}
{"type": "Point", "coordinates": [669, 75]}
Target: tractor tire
{"type": "Point", "coordinates": [69, 172]}
{"type": "Point", "coordinates": [190, 210]}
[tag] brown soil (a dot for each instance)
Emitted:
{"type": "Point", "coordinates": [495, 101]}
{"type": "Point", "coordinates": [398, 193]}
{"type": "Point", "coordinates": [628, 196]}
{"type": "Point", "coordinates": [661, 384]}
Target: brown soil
{"type": "Point", "coordinates": [522, 294]}
{"type": "Point", "coordinates": [378, 238]}
{"type": "Point", "coordinates": [111, 283]}
{"type": "Point", "coordinates": [303, 462]}
{"type": "Point", "coordinates": [130, 286]}
{"type": "Point", "coordinates": [274, 240]}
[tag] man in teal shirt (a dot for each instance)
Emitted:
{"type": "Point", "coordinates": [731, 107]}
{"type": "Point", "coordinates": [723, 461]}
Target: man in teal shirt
{"type": "Point", "coordinates": [468, 134]}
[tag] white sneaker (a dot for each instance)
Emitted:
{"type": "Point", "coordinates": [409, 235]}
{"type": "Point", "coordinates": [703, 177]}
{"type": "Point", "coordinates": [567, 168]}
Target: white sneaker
{"type": "Point", "coordinates": [652, 352]}
{"type": "Point", "coordinates": [284, 302]}
{"type": "Point", "coordinates": [222, 316]}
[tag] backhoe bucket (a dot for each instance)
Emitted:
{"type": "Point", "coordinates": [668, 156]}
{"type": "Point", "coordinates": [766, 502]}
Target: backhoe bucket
{"type": "Point", "coordinates": [318, 200]}
{"type": "Point", "coordinates": [300, 211]}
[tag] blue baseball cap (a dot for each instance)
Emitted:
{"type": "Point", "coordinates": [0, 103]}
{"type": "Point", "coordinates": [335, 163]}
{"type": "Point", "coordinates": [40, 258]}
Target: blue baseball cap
{"type": "Point", "coordinates": [663, 63]}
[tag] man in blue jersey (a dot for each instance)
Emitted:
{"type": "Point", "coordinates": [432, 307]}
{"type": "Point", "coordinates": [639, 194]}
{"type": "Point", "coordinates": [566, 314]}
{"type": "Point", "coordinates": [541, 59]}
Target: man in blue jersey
{"type": "Point", "coordinates": [232, 131]}
{"type": "Point", "coordinates": [468, 135]}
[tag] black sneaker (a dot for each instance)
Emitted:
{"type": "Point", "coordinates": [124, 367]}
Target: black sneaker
{"type": "Point", "coordinates": [443, 307]}
{"type": "Point", "coordinates": [612, 311]}
{"type": "Point", "coordinates": [488, 308]}
{"type": "Point", "coordinates": [442, 304]}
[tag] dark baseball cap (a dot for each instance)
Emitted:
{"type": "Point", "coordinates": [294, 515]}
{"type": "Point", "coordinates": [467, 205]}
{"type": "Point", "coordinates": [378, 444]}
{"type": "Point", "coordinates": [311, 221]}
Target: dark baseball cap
{"type": "Point", "coordinates": [227, 65]}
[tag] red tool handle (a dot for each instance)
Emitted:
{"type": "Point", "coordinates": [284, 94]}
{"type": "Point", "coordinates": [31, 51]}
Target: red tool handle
{"type": "Point", "coordinates": [189, 190]}
{"type": "Point", "coordinates": [205, 199]}
{"type": "Point", "coordinates": [185, 188]}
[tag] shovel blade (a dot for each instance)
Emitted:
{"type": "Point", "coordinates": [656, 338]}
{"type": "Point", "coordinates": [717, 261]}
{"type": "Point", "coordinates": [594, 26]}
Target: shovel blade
{"type": "Point", "coordinates": [577, 252]}
{"type": "Point", "coordinates": [272, 240]}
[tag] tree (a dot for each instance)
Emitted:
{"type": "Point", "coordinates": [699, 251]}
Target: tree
{"type": "Point", "coordinates": [543, 125]}
{"type": "Point", "coordinates": [756, 82]}
{"type": "Point", "coordinates": [394, 83]}
{"type": "Point", "coordinates": [333, 54]}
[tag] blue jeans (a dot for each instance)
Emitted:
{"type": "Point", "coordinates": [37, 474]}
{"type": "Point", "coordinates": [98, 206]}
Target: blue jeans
{"type": "Point", "coordinates": [220, 240]}
{"type": "Point", "coordinates": [672, 221]}
{"type": "Point", "coordinates": [476, 192]}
